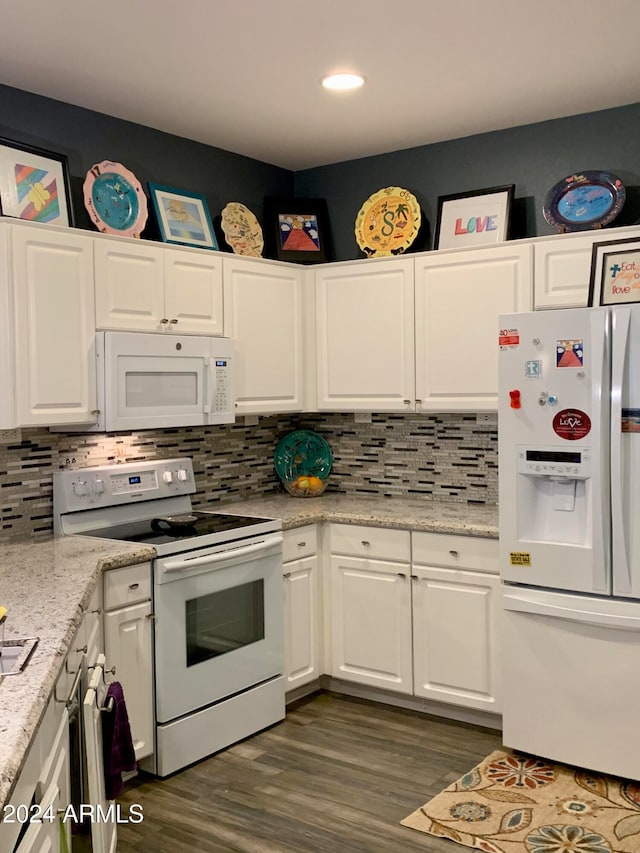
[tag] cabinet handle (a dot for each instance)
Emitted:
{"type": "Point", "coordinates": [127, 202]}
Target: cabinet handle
{"type": "Point", "coordinates": [173, 321]}
{"type": "Point", "coordinates": [97, 611]}
{"type": "Point", "coordinates": [401, 575]}
{"type": "Point", "coordinates": [134, 585]}
{"type": "Point", "coordinates": [414, 577]}
{"type": "Point", "coordinates": [82, 649]}
{"type": "Point", "coordinates": [366, 543]}
{"type": "Point", "coordinates": [286, 575]}
{"type": "Point", "coordinates": [407, 402]}
{"type": "Point", "coordinates": [418, 402]}
{"type": "Point", "coordinates": [453, 553]}
{"type": "Point", "coordinates": [301, 544]}
{"type": "Point", "coordinates": [151, 616]}
{"type": "Point", "coordinates": [164, 321]}
{"type": "Point", "coordinates": [95, 412]}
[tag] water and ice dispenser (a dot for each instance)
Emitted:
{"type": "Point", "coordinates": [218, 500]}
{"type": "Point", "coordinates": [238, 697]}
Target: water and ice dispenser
{"type": "Point", "coordinates": [553, 494]}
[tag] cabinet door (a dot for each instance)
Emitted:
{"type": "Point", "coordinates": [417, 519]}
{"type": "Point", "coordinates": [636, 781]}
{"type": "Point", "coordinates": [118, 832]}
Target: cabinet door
{"type": "Point", "coordinates": [459, 296]}
{"type": "Point", "coordinates": [193, 291]}
{"type": "Point", "coordinates": [129, 281]}
{"type": "Point", "coordinates": [55, 370]}
{"type": "Point", "coordinates": [128, 647]}
{"type": "Point", "coordinates": [365, 336]}
{"type": "Point", "coordinates": [455, 637]}
{"type": "Point", "coordinates": [263, 315]}
{"type": "Point", "coordinates": [371, 622]}
{"type": "Point", "coordinates": [301, 622]}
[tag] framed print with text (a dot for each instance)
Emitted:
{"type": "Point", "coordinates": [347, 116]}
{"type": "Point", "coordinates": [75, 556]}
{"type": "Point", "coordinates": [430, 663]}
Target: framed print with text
{"type": "Point", "coordinates": [477, 218]}
{"type": "Point", "coordinates": [615, 272]}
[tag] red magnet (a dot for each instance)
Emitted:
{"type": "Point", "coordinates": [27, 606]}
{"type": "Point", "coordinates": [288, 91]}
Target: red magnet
{"type": "Point", "coordinates": [515, 399]}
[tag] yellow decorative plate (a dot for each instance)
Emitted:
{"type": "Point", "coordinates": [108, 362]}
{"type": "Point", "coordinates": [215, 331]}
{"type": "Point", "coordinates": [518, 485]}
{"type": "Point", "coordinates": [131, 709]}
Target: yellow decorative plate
{"type": "Point", "coordinates": [388, 222]}
{"type": "Point", "coordinates": [242, 230]}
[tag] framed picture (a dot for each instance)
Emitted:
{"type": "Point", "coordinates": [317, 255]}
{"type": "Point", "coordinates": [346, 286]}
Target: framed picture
{"type": "Point", "coordinates": [297, 229]}
{"type": "Point", "coordinates": [476, 218]}
{"type": "Point", "coordinates": [615, 272]}
{"type": "Point", "coordinates": [183, 217]}
{"type": "Point", "coordinates": [34, 184]}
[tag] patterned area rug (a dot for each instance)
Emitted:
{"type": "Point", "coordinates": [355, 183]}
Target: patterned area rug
{"type": "Point", "coordinates": [518, 804]}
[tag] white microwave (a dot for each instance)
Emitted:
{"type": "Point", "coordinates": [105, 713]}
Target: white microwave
{"type": "Point", "coordinates": [150, 381]}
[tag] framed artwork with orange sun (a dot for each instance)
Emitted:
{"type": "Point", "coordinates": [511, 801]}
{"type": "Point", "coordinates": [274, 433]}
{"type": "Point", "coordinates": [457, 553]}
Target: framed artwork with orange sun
{"type": "Point", "coordinates": [297, 229]}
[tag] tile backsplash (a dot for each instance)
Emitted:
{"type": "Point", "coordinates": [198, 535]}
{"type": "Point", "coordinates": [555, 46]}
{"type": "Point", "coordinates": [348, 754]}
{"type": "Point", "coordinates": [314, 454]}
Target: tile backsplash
{"type": "Point", "coordinates": [445, 457]}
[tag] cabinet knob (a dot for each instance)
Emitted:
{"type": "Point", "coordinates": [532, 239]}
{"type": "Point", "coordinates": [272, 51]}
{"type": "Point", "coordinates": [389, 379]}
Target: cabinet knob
{"type": "Point", "coordinates": [454, 553]}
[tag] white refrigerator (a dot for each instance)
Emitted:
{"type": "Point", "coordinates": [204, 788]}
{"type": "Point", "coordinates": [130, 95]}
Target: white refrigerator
{"type": "Point", "coordinates": [569, 470]}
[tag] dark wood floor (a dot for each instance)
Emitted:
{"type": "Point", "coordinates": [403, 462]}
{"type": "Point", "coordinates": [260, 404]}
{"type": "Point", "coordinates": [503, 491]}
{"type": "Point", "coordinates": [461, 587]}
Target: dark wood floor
{"type": "Point", "coordinates": [337, 775]}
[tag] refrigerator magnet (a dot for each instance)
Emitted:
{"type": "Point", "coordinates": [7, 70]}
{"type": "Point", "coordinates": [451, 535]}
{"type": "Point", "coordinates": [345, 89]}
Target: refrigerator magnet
{"type": "Point", "coordinates": [572, 424]}
{"type": "Point", "coordinates": [570, 353]}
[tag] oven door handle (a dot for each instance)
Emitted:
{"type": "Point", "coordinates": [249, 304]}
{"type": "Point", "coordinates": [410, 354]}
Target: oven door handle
{"type": "Point", "coordinates": [187, 563]}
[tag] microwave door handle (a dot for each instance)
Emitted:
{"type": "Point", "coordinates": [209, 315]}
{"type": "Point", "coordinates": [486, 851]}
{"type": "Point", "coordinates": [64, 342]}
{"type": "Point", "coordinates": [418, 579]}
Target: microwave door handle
{"type": "Point", "coordinates": [187, 563]}
{"type": "Point", "coordinates": [209, 388]}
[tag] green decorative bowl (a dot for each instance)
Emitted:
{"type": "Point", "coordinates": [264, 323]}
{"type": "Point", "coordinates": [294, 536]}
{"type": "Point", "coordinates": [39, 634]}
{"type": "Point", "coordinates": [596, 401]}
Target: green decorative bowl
{"type": "Point", "coordinates": [303, 460]}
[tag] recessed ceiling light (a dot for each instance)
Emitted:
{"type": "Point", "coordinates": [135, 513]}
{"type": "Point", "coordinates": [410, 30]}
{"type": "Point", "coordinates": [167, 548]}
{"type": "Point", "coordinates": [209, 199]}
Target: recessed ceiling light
{"type": "Point", "coordinates": [342, 82]}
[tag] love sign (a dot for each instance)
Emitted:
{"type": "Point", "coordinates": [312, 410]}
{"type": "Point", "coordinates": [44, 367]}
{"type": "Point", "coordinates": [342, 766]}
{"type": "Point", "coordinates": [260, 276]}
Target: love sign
{"type": "Point", "coordinates": [473, 219]}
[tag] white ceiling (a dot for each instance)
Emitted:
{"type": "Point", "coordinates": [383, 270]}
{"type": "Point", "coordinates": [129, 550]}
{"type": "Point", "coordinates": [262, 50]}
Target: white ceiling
{"type": "Point", "coordinates": [244, 76]}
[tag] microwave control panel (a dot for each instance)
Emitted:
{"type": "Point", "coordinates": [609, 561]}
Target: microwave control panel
{"type": "Point", "coordinates": [223, 385]}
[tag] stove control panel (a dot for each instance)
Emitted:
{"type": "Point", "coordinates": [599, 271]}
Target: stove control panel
{"type": "Point", "coordinates": [115, 485]}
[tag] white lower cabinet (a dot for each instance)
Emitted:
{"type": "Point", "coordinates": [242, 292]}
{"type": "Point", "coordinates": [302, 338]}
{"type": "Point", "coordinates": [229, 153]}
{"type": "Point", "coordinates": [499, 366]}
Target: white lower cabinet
{"type": "Point", "coordinates": [128, 647]}
{"type": "Point", "coordinates": [371, 606]}
{"type": "Point", "coordinates": [416, 613]}
{"type": "Point", "coordinates": [301, 607]}
{"type": "Point", "coordinates": [456, 620]}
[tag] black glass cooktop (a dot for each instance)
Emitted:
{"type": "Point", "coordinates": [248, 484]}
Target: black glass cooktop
{"type": "Point", "coordinates": [166, 529]}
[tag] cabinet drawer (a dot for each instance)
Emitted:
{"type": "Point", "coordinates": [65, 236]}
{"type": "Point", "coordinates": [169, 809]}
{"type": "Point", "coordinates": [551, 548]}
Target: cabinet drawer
{"type": "Point", "coordinates": [127, 585]}
{"type": "Point", "coordinates": [468, 552]}
{"type": "Point", "coordinates": [379, 542]}
{"type": "Point", "coordinates": [301, 542]}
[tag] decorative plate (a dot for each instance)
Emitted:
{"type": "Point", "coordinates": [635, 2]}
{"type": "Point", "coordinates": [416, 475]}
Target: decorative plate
{"type": "Point", "coordinates": [115, 199]}
{"type": "Point", "coordinates": [584, 201]}
{"type": "Point", "coordinates": [388, 222]}
{"type": "Point", "coordinates": [242, 230]}
{"type": "Point", "coordinates": [303, 460]}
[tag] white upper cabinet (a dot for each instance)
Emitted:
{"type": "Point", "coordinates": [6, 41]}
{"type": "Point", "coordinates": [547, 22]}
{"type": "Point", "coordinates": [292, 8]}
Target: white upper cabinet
{"type": "Point", "coordinates": [50, 282]}
{"type": "Point", "coordinates": [458, 298]}
{"type": "Point", "coordinates": [364, 328]}
{"type": "Point", "coordinates": [146, 287]}
{"type": "Point", "coordinates": [562, 266]}
{"type": "Point", "coordinates": [264, 316]}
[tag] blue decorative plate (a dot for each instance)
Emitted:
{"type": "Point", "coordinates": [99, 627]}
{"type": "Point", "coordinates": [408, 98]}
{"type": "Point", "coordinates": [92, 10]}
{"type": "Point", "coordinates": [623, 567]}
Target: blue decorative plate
{"type": "Point", "coordinates": [303, 460]}
{"type": "Point", "coordinates": [114, 199]}
{"type": "Point", "coordinates": [584, 201]}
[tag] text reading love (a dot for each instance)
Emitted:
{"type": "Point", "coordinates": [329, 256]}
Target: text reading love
{"type": "Point", "coordinates": [476, 224]}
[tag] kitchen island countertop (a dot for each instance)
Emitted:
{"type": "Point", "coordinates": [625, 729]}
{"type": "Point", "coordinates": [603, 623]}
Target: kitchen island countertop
{"type": "Point", "coordinates": [46, 586]}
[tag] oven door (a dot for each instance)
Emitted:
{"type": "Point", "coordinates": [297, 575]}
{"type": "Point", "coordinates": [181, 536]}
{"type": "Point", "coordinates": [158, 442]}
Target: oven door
{"type": "Point", "coordinates": [219, 623]}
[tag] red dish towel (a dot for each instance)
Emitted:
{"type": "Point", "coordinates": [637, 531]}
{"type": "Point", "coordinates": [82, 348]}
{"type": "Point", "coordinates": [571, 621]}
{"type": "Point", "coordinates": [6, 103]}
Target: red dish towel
{"type": "Point", "coordinates": [117, 744]}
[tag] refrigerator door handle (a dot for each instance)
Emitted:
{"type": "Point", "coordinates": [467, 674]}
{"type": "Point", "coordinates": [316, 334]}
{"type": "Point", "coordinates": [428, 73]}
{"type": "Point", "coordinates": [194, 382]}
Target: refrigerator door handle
{"type": "Point", "coordinates": [621, 318]}
{"type": "Point", "coordinates": [522, 604]}
{"type": "Point", "coordinates": [600, 337]}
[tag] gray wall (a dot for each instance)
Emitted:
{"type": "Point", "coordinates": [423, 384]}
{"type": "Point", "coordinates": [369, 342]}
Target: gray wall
{"type": "Point", "coordinates": [88, 137]}
{"type": "Point", "coordinates": [533, 157]}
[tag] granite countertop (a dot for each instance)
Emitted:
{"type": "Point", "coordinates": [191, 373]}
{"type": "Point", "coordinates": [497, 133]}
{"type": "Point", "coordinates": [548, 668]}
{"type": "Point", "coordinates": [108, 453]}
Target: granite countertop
{"type": "Point", "coordinates": [403, 513]}
{"type": "Point", "coordinates": [46, 586]}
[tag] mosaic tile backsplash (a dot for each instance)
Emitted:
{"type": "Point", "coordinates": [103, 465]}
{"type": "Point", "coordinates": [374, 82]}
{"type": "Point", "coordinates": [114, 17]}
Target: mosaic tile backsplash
{"type": "Point", "coordinates": [447, 457]}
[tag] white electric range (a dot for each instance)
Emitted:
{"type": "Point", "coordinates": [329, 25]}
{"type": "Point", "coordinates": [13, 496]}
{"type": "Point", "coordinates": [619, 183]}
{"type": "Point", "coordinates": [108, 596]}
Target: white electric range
{"type": "Point", "coordinates": [217, 601]}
